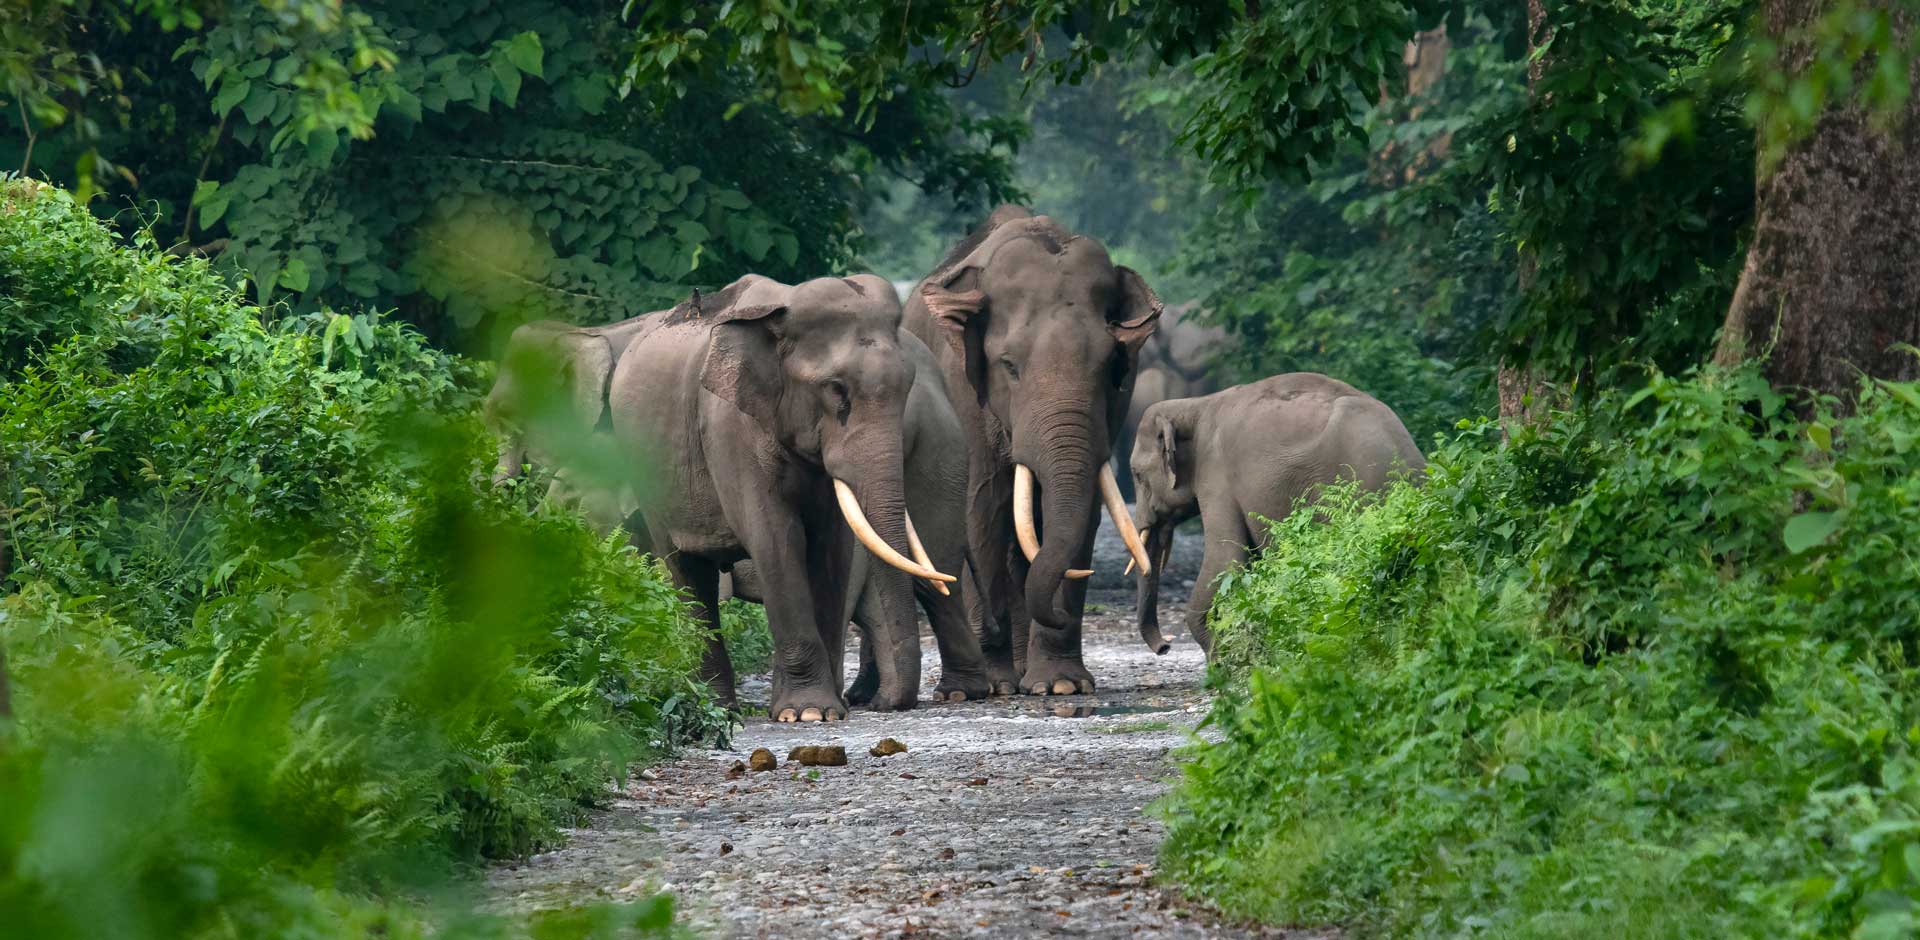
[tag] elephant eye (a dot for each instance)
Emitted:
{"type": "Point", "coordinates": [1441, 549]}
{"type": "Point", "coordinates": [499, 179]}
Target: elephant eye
{"type": "Point", "coordinates": [1008, 365]}
{"type": "Point", "coordinates": [837, 395]}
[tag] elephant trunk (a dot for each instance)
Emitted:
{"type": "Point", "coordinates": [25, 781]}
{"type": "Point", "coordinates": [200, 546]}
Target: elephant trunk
{"type": "Point", "coordinates": [896, 639]}
{"type": "Point", "coordinates": [1067, 506]}
{"type": "Point", "coordinates": [1147, 607]}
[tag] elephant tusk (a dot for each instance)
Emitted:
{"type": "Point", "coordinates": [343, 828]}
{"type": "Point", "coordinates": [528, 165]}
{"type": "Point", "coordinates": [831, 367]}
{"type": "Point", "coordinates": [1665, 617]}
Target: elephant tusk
{"type": "Point", "coordinates": [920, 555]}
{"type": "Point", "coordinates": [1023, 510]}
{"type": "Point", "coordinates": [862, 530]}
{"type": "Point", "coordinates": [1123, 520]}
{"type": "Point", "coordinates": [1077, 574]}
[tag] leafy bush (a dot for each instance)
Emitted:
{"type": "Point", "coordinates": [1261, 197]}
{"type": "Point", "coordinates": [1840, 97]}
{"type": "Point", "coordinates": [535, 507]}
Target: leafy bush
{"type": "Point", "coordinates": [1647, 672]}
{"type": "Point", "coordinates": [276, 657]}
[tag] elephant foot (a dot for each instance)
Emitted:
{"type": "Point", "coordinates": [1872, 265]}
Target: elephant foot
{"type": "Point", "coordinates": [805, 706]}
{"type": "Point", "coordinates": [1001, 677]}
{"type": "Point", "coordinates": [865, 685]}
{"type": "Point", "coordinates": [954, 688]}
{"type": "Point", "coordinates": [1057, 678]}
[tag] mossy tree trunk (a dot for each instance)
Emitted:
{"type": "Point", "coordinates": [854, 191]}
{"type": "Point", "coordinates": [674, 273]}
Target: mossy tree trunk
{"type": "Point", "coordinates": [1832, 276]}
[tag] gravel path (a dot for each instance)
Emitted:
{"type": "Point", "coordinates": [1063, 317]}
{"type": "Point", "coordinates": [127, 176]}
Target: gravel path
{"type": "Point", "coordinates": [1015, 817]}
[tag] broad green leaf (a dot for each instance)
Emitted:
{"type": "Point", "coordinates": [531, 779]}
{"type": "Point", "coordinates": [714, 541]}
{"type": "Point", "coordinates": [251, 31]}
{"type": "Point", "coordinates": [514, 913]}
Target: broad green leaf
{"type": "Point", "coordinates": [509, 79]}
{"type": "Point", "coordinates": [294, 276]}
{"type": "Point", "coordinates": [1821, 436]}
{"type": "Point", "coordinates": [233, 91]}
{"type": "Point", "coordinates": [1808, 529]}
{"type": "Point", "coordinates": [526, 53]}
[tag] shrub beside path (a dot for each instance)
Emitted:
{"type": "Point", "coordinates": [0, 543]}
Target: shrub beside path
{"type": "Point", "coordinates": [1017, 817]}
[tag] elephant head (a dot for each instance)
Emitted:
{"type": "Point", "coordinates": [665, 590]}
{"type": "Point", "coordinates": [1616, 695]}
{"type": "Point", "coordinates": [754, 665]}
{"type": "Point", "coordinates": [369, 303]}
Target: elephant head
{"type": "Point", "coordinates": [1163, 477]}
{"type": "Point", "coordinates": [1050, 331]}
{"type": "Point", "coordinates": [549, 394]}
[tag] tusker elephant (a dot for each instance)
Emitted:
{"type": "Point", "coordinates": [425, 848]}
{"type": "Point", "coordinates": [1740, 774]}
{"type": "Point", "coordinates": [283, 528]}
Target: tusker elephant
{"type": "Point", "coordinates": [1178, 361]}
{"type": "Point", "coordinates": [936, 468]}
{"type": "Point", "coordinates": [1038, 334]}
{"type": "Point", "coordinates": [779, 412]}
{"type": "Point", "coordinates": [1258, 448]}
{"type": "Point", "coordinates": [571, 366]}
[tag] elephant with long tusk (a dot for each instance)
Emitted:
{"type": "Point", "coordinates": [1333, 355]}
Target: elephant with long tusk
{"type": "Point", "coordinates": [550, 395]}
{"type": "Point", "coordinates": [770, 417]}
{"type": "Point", "coordinates": [1038, 334]}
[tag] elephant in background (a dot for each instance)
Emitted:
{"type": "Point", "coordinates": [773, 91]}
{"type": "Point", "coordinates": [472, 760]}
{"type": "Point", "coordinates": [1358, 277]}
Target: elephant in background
{"type": "Point", "coordinates": [1180, 360]}
{"type": "Point", "coordinates": [1260, 448]}
{"type": "Point", "coordinates": [778, 411]}
{"type": "Point", "coordinates": [1038, 334]}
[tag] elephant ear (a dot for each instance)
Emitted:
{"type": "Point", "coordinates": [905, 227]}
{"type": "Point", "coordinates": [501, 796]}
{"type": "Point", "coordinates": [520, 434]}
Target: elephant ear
{"type": "Point", "coordinates": [1136, 314]}
{"type": "Point", "coordinates": [588, 367]}
{"type": "Point", "coordinates": [1169, 440]}
{"type": "Point", "coordinates": [958, 306]}
{"type": "Point", "coordinates": [743, 359]}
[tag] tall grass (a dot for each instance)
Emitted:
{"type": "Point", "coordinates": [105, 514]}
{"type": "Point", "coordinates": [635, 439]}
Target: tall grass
{"type": "Point", "coordinates": [1648, 672]}
{"type": "Point", "coordinates": [281, 666]}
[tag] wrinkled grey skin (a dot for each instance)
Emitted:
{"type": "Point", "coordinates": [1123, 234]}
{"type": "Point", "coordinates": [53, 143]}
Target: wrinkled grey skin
{"type": "Point", "coordinates": [1257, 448]}
{"type": "Point", "coordinates": [748, 403]}
{"type": "Point", "coordinates": [1178, 361]}
{"type": "Point", "coordinates": [572, 367]}
{"type": "Point", "coordinates": [1038, 334]}
{"type": "Point", "coordinates": [936, 468]}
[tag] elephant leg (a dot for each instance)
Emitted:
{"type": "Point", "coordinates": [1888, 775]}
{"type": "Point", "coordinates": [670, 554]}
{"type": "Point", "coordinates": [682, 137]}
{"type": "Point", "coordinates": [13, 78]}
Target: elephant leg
{"type": "Point", "coordinates": [963, 665]}
{"type": "Point", "coordinates": [806, 685]}
{"type": "Point", "coordinates": [866, 682]}
{"type": "Point", "coordinates": [1054, 665]}
{"type": "Point", "coordinates": [1019, 622]}
{"type": "Point", "coordinates": [1226, 537]}
{"type": "Point", "coordinates": [993, 631]}
{"type": "Point", "coordinates": [701, 579]}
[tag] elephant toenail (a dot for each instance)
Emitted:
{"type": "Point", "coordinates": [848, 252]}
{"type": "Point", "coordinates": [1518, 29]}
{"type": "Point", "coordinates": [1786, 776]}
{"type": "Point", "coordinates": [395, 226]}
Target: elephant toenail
{"type": "Point", "coordinates": [811, 714]}
{"type": "Point", "coordinates": [1063, 687]}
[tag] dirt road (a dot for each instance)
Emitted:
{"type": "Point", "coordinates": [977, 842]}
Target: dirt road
{"type": "Point", "coordinates": [1016, 817]}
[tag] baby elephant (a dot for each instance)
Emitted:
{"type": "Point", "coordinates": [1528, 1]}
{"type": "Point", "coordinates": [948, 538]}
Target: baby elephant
{"type": "Point", "coordinates": [1252, 449]}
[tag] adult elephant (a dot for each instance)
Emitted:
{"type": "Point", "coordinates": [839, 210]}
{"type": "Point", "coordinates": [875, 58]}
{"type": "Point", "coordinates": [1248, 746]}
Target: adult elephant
{"type": "Point", "coordinates": [1181, 360]}
{"type": "Point", "coordinates": [778, 409]}
{"type": "Point", "coordinates": [1259, 449]}
{"type": "Point", "coordinates": [936, 479]}
{"type": "Point", "coordinates": [1038, 334]}
{"type": "Point", "coordinates": [559, 372]}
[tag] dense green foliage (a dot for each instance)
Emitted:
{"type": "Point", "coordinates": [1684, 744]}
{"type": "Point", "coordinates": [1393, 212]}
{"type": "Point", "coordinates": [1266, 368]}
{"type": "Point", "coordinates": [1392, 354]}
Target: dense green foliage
{"type": "Point", "coordinates": [473, 164]}
{"type": "Point", "coordinates": [270, 667]}
{"type": "Point", "coordinates": [1646, 672]}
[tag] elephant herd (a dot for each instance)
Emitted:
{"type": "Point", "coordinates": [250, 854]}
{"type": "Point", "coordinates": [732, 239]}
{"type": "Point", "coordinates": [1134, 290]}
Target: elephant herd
{"type": "Point", "coordinates": [841, 457]}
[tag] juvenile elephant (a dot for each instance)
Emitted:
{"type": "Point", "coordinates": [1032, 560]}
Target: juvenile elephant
{"type": "Point", "coordinates": [1179, 361]}
{"type": "Point", "coordinates": [772, 418]}
{"type": "Point", "coordinates": [1258, 448]}
{"type": "Point", "coordinates": [1038, 335]}
{"type": "Point", "coordinates": [569, 368]}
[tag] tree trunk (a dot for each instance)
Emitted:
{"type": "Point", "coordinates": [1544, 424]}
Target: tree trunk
{"type": "Point", "coordinates": [1832, 277]}
{"type": "Point", "coordinates": [1524, 397]}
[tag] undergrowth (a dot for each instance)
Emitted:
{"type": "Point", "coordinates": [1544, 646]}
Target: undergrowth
{"type": "Point", "coordinates": [281, 665]}
{"type": "Point", "coordinates": [1648, 671]}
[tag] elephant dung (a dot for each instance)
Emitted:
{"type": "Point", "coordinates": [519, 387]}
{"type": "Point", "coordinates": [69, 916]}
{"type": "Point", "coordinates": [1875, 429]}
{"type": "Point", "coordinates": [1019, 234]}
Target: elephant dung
{"type": "Point", "coordinates": [761, 760]}
{"type": "Point", "coordinates": [887, 747]}
{"type": "Point", "coordinates": [825, 755]}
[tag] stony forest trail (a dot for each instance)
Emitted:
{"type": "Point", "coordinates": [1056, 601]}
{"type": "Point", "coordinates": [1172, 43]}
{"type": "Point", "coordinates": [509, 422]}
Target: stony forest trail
{"type": "Point", "coordinates": [1014, 817]}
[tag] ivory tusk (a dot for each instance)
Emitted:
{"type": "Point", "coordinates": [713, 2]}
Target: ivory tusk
{"type": "Point", "coordinates": [920, 555]}
{"type": "Point", "coordinates": [862, 530]}
{"type": "Point", "coordinates": [1076, 574]}
{"type": "Point", "coordinates": [1123, 520]}
{"type": "Point", "coordinates": [1023, 510]}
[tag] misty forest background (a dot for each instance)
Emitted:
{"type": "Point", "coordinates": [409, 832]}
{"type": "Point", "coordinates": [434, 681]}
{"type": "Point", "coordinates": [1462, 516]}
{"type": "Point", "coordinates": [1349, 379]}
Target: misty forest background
{"type": "Point", "coordinates": [1638, 660]}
